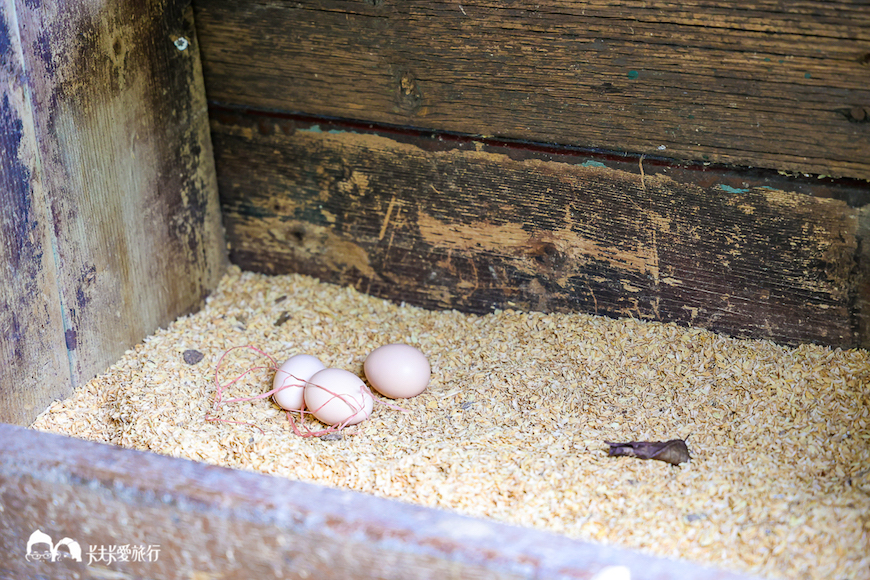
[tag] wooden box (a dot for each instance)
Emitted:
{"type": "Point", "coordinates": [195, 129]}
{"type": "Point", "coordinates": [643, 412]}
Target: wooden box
{"type": "Point", "coordinates": [681, 162]}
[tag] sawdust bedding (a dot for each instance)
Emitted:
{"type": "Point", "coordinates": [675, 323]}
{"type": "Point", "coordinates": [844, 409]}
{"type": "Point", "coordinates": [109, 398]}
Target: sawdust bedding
{"type": "Point", "coordinates": [513, 424]}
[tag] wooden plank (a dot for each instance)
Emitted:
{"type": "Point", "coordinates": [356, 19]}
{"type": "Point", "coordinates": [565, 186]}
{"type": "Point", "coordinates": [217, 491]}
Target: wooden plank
{"type": "Point", "coordinates": [461, 224]}
{"type": "Point", "coordinates": [33, 371]}
{"type": "Point", "coordinates": [211, 522]}
{"type": "Point", "coordinates": [768, 84]}
{"type": "Point", "coordinates": [126, 166]}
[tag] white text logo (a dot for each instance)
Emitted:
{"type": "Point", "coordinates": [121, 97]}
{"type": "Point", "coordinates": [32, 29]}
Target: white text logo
{"type": "Point", "coordinates": [125, 553]}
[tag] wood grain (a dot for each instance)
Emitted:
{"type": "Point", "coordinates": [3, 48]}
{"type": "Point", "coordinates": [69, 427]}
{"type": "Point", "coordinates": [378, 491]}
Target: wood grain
{"type": "Point", "coordinates": [33, 370]}
{"type": "Point", "coordinates": [127, 174]}
{"type": "Point", "coordinates": [213, 522]}
{"type": "Point", "coordinates": [475, 227]}
{"type": "Point", "coordinates": [768, 84]}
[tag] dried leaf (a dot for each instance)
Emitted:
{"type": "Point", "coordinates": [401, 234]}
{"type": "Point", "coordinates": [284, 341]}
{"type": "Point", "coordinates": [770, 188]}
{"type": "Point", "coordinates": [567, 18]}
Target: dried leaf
{"type": "Point", "coordinates": [674, 451]}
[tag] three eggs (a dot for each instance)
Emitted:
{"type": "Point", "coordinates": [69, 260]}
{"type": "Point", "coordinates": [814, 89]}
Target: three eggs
{"type": "Point", "coordinates": [336, 396]}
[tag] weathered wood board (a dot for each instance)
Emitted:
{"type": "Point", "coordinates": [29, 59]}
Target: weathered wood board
{"type": "Point", "coordinates": [118, 225]}
{"type": "Point", "coordinates": [200, 521]}
{"type": "Point", "coordinates": [475, 227]}
{"type": "Point", "coordinates": [766, 84]}
{"type": "Point", "coordinates": [34, 368]}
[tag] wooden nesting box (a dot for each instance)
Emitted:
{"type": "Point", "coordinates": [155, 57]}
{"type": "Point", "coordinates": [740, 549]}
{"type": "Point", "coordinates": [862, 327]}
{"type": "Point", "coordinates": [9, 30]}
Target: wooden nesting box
{"type": "Point", "coordinates": [682, 162]}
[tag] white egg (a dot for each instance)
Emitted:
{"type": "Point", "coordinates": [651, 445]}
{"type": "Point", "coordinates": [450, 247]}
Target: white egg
{"type": "Point", "coordinates": [293, 375]}
{"type": "Point", "coordinates": [399, 371]}
{"type": "Point", "coordinates": [338, 396]}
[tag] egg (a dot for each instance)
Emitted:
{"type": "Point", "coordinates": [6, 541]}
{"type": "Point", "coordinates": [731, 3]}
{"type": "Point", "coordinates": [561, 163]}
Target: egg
{"type": "Point", "coordinates": [294, 373]}
{"type": "Point", "coordinates": [398, 371]}
{"type": "Point", "coordinates": [338, 396]}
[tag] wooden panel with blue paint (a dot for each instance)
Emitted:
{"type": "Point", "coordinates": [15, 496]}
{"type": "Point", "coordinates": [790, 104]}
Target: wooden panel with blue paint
{"type": "Point", "coordinates": [766, 84]}
{"type": "Point", "coordinates": [479, 225]}
{"type": "Point", "coordinates": [33, 361]}
{"type": "Point", "coordinates": [112, 224]}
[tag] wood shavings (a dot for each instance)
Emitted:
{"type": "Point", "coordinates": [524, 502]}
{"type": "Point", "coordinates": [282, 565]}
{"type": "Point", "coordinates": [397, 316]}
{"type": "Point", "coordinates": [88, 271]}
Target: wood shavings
{"type": "Point", "coordinates": [513, 424]}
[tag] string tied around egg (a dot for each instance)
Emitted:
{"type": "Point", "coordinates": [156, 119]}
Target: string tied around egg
{"type": "Point", "coordinates": [354, 406]}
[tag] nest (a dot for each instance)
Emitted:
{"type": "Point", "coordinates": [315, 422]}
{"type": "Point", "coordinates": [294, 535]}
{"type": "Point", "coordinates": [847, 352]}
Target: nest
{"type": "Point", "coordinates": [514, 424]}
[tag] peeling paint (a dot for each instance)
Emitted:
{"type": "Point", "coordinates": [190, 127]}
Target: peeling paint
{"type": "Point", "coordinates": [316, 129]}
{"type": "Point", "coordinates": [120, 210]}
{"type": "Point", "coordinates": [730, 189]}
{"type": "Point", "coordinates": [514, 241]}
{"type": "Point", "coordinates": [313, 242]}
{"type": "Point", "coordinates": [481, 229]}
{"type": "Point", "coordinates": [507, 239]}
{"type": "Point", "coordinates": [356, 184]}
